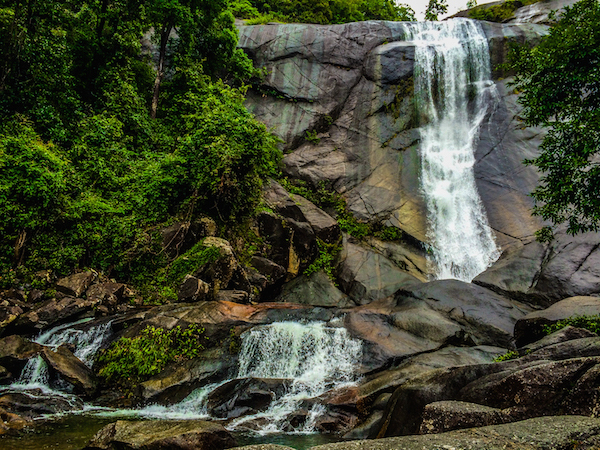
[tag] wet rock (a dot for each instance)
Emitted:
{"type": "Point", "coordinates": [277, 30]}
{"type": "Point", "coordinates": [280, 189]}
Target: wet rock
{"type": "Point", "coordinates": [439, 417]}
{"type": "Point", "coordinates": [193, 289]}
{"type": "Point", "coordinates": [368, 428]}
{"type": "Point", "coordinates": [385, 382]}
{"type": "Point", "coordinates": [71, 369]}
{"type": "Point", "coordinates": [33, 404]}
{"type": "Point", "coordinates": [316, 289]}
{"type": "Point", "coordinates": [161, 435]}
{"type": "Point", "coordinates": [263, 447]}
{"type": "Point", "coordinates": [530, 328]}
{"type": "Point", "coordinates": [11, 423]}
{"type": "Point", "coordinates": [245, 396]}
{"type": "Point", "coordinates": [542, 433]}
{"type": "Point", "coordinates": [178, 380]}
{"type": "Point", "coordinates": [75, 285]}
{"type": "Point", "coordinates": [15, 351]}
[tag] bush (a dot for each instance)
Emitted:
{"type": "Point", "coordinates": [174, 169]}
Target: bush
{"type": "Point", "coordinates": [133, 360]}
{"type": "Point", "coordinates": [591, 323]}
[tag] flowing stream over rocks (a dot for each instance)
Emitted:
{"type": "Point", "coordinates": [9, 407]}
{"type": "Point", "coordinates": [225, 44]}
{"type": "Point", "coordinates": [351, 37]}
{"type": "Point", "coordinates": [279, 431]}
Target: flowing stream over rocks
{"type": "Point", "coordinates": [316, 357]}
{"type": "Point", "coordinates": [85, 342]}
{"type": "Point", "coordinates": [453, 89]}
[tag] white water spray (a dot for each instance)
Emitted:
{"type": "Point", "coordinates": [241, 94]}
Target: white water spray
{"type": "Point", "coordinates": [315, 357]}
{"type": "Point", "coordinates": [86, 343]}
{"type": "Point", "coordinates": [453, 90]}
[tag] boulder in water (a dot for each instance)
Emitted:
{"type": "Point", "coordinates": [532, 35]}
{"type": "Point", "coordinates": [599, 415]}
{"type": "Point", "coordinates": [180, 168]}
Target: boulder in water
{"type": "Point", "coordinates": [245, 396]}
{"type": "Point", "coordinates": [15, 351]}
{"type": "Point", "coordinates": [32, 404]}
{"type": "Point", "coordinates": [71, 369]}
{"type": "Point", "coordinates": [161, 435]}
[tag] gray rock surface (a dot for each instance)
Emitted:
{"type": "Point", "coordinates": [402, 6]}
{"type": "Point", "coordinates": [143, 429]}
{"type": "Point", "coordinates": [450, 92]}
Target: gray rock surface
{"type": "Point", "coordinates": [71, 369]}
{"type": "Point", "coordinates": [350, 87]}
{"type": "Point", "coordinates": [439, 417]}
{"type": "Point", "coordinates": [161, 435]}
{"type": "Point", "coordinates": [539, 12]}
{"type": "Point", "coordinates": [316, 289]}
{"type": "Point", "coordinates": [542, 433]}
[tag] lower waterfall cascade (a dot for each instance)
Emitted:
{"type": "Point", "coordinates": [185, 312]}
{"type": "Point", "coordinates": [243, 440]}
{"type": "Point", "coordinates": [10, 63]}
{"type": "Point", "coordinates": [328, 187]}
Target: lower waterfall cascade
{"type": "Point", "coordinates": [453, 93]}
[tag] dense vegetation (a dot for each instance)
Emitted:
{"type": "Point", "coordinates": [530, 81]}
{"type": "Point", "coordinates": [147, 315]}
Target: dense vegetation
{"type": "Point", "coordinates": [559, 85]}
{"type": "Point", "coordinates": [320, 11]}
{"type": "Point", "coordinates": [99, 146]}
{"type": "Point", "coordinates": [131, 360]}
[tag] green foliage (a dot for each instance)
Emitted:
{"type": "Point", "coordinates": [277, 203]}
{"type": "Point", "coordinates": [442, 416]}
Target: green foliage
{"type": "Point", "coordinates": [591, 323]}
{"type": "Point", "coordinates": [132, 360]}
{"type": "Point", "coordinates": [311, 136]}
{"type": "Point", "coordinates": [498, 13]}
{"type": "Point", "coordinates": [435, 8]}
{"type": "Point", "coordinates": [319, 11]}
{"type": "Point", "coordinates": [559, 85]}
{"type": "Point", "coordinates": [507, 356]}
{"type": "Point", "coordinates": [87, 175]}
{"type": "Point", "coordinates": [326, 260]}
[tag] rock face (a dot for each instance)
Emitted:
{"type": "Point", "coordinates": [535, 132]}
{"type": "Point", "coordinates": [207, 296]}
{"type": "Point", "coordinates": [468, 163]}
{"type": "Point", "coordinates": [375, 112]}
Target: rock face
{"type": "Point", "coordinates": [542, 433]}
{"type": "Point", "coordinates": [556, 379]}
{"type": "Point", "coordinates": [340, 97]}
{"type": "Point", "coordinates": [161, 435]}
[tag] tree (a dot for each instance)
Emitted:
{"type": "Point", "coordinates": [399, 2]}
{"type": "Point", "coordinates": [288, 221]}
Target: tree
{"type": "Point", "coordinates": [435, 8]}
{"type": "Point", "coordinates": [559, 82]}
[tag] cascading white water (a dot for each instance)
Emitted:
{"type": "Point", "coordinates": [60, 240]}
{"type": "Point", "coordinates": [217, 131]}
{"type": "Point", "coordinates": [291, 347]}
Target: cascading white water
{"type": "Point", "coordinates": [316, 357]}
{"type": "Point", "coordinates": [453, 91]}
{"type": "Point", "coordinates": [86, 343]}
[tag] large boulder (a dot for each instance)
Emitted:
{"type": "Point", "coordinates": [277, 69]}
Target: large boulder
{"type": "Point", "coordinates": [316, 289]}
{"type": "Point", "coordinates": [177, 381]}
{"type": "Point", "coordinates": [62, 362]}
{"type": "Point", "coordinates": [161, 435]}
{"type": "Point", "coordinates": [75, 285]}
{"type": "Point", "coordinates": [366, 275]}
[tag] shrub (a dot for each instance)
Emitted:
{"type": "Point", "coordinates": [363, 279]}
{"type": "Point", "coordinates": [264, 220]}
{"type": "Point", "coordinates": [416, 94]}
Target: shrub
{"type": "Point", "coordinates": [132, 360]}
{"type": "Point", "coordinates": [591, 323]}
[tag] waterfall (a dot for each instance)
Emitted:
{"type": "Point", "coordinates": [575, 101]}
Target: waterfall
{"type": "Point", "coordinates": [453, 90]}
{"type": "Point", "coordinates": [316, 357]}
{"type": "Point", "coordinates": [86, 343]}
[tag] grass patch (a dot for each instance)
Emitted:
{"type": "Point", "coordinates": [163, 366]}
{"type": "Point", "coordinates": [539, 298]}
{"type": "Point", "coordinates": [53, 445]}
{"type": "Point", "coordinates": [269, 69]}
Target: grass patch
{"type": "Point", "coordinates": [591, 323]}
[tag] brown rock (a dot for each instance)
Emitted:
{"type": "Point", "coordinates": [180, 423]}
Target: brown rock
{"type": "Point", "coordinates": [71, 369]}
{"type": "Point", "coordinates": [193, 290]}
{"type": "Point", "coordinates": [161, 435]}
{"type": "Point", "coordinates": [76, 284]}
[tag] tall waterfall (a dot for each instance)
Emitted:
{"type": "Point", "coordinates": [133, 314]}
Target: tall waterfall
{"type": "Point", "coordinates": [453, 91]}
{"type": "Point", "coordinates": [316, 357]}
